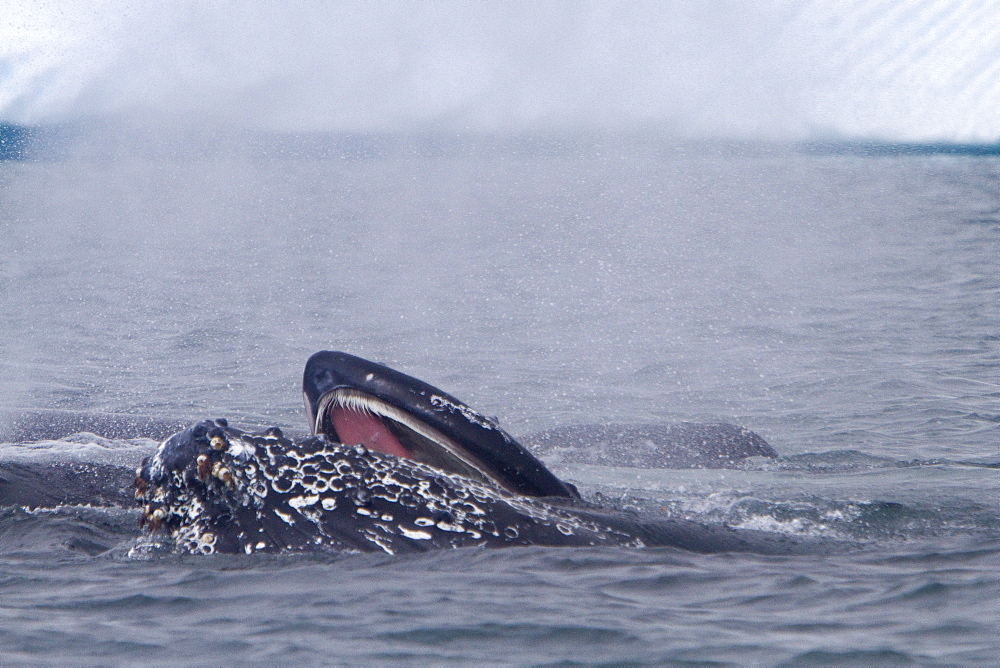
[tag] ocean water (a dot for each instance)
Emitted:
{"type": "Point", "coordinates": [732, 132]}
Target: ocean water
{"type": "Point", "coordinates": [846, 307]}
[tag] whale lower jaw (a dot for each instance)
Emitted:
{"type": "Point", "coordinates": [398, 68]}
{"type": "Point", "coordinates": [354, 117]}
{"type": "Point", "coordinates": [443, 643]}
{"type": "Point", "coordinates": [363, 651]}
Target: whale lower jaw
{"type": "Point", "coordinates": [216, 489]}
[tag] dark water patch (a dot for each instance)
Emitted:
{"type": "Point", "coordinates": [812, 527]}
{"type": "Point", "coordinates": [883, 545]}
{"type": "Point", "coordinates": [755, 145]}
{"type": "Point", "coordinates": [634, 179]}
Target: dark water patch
{"type": "Point", "coordinates": [600, 562]}
{"type": "Point", "coordinates": [977, 554]}
{"type": "Point", "coordinates": [67, 648]}
{"type": "Point", "coordinates": [946, 591]}
{"type": "Point", "coordinates": [930, 595]}
{"type": "Point", "coordinates": [660, 584]}
{"type": "Point", "coordinates": [537, 641]}
{"type": "Point", "coordinates": [872, 657]}
{"type": "Point", "coordinates": [814, 627]}
{"type": "Point", "coordinates": [995, 418]}
{"type": "Point", "coordinates": [800, 581]}
{"type": "Point", "coordinates": [132, 604]}
{"type": "Point", "coordinates": [516, 633]}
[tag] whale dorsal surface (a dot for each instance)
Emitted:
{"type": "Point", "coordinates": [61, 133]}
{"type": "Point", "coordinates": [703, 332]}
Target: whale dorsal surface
{"type": "Point", "coordinates": [668, 446]}
{"type": "Point", "coordinates": [23, 425]}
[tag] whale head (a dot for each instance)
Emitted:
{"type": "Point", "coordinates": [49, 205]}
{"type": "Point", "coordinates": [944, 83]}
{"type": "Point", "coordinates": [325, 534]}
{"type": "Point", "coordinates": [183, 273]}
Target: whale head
{"type": "Point", "coordinates": [354, 401]}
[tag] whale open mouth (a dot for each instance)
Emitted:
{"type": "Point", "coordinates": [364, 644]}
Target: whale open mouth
{"type": "Point", "coordinates": [354, 417]}
{"type": "Point", "coordinates": [354, 401]}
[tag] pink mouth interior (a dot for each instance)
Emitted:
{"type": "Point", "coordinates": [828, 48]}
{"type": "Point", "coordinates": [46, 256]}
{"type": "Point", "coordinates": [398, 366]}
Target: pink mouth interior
{"type": "Point", "coordinates": [354, 427]}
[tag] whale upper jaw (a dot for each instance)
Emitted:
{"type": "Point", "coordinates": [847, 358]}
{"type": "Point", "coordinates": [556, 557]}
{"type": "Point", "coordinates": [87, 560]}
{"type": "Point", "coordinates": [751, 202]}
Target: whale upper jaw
{"type": "Point", "coordinates": [354, 401]}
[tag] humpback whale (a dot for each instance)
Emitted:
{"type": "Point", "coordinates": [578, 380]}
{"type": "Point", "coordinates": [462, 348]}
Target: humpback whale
{"type": "Point", "coordinates": [392, 464]}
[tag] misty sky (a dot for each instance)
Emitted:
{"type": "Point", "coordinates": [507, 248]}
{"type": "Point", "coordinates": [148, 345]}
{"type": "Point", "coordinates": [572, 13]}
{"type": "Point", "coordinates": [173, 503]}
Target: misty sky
{"type": "Point", "coordinates": [921, 70]}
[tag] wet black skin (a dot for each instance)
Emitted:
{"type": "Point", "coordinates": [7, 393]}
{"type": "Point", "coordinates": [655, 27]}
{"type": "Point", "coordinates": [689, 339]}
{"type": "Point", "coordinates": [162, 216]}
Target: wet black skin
{"type": "Point", "coordinates": [214, 488]}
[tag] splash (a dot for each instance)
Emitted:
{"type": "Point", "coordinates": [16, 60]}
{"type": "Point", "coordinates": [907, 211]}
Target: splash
{"type": "Point", "coordinates": [919, 71]}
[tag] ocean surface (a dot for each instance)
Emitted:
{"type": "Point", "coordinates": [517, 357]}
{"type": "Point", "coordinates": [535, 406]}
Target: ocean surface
{"type": "Point", "coordinates": [846, 307]}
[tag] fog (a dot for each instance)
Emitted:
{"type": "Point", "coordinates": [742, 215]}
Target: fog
{"type": "Point", "coordinates": [918, 71]}
{"type": "Point", "coordinates": [158, 280]}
